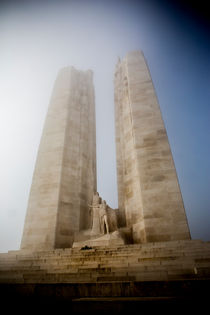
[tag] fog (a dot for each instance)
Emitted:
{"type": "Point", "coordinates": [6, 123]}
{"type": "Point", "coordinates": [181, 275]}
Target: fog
{"type": "Point", "coordinates": [37, 38]}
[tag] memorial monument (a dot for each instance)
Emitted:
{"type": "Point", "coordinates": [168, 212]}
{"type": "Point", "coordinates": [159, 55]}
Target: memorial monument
{"type": "Point", "coordinates": [74, 244]}
{"type": "Point", "coordinates": [150, 202]}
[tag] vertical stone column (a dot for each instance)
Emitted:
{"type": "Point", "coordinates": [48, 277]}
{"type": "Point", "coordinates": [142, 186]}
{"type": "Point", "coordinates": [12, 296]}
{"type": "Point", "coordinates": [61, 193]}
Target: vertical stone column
{"type": "Point", "coordinates": [149, 196]}
{"type": "Point", "coordinates": [65, 173]}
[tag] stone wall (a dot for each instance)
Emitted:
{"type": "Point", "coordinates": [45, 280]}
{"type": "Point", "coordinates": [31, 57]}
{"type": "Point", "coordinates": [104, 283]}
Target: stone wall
{"type": "Point", "coordinates": [65, 173]}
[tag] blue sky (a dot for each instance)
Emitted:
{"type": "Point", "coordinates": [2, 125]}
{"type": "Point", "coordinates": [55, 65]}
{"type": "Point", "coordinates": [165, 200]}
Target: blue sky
{"type": "Point", "coordinates": [37, 38]}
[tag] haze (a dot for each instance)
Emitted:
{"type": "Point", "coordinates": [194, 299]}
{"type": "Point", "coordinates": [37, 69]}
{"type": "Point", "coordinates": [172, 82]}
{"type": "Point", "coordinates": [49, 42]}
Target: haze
{"type": "Point", "coordinates": [37, 38]}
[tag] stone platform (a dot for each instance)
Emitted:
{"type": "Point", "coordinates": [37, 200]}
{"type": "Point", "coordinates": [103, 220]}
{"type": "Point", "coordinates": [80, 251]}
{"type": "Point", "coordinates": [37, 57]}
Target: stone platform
{"type": "Point", "coordinates": [152, 272]}
{"type": "Point", "coordinates": [107, 240]}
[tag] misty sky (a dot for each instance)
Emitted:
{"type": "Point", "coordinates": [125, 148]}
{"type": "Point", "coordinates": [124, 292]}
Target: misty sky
{"type": "Point", "coordinates": [37, 38]}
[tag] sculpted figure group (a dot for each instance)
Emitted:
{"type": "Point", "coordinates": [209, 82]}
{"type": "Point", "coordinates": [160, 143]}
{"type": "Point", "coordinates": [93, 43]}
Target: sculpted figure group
{"type": "Point", "coordinates": [103, 227]}
{"type": "Point", "coordinates": [99, 215]}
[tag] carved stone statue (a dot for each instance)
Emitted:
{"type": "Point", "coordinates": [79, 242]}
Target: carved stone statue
{"type": "Point", "coordinates": [103, 218]}
{"type": "Point", "coordinates": [94, 210]}
{"type": "Point", "coordinates": [103, 230]}
{"type": "Point", "coordinates": [99, 216]}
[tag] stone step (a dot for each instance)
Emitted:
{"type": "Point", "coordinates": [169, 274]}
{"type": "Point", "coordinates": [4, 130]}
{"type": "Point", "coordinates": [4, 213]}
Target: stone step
{"type": "Point", "coordinates": [147, 264]}
{"type": "Point", "coordinates": [145, 261]}
{"type": "Point", "coordinates": [185, 269]}
{"type": "Point", "coordinates": [167, 260]}
{"type": "Point", "coordinates": [165, 263]}
{"type": "Point", "coordinates": [94, 272]}
{"type": "Point", "coordinates": [84, 257]}
{"type": "Point", "coordinates": [77, 278]}
{"type": "Point", "coordinates": [193, 254]}
{"type": "Point", "coordinates": [164, 245]}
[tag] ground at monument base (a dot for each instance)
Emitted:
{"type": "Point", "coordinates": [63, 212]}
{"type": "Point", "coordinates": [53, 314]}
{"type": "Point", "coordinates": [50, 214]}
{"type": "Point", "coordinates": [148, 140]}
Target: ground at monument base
{"type": "Point", "coordinates": [173, 297]}
{"type": "Point", "coordinates": [109, 278]}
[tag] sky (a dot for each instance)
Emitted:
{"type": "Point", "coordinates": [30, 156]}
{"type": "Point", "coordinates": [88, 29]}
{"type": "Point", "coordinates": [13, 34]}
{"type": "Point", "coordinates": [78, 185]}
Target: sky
{"type": "Point", "coordinates": [37, 38]}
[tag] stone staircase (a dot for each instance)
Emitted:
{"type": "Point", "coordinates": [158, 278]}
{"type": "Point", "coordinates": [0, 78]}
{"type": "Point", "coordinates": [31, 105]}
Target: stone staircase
{"type": "Point", "coordinates": [163, 261]}
{"type": "Point", "coordinates": [153, 270]}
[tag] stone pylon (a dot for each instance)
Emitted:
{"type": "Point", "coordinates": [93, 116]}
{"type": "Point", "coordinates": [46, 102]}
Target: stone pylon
{"type": "Point", "coordinates": [65, 173]}
{"type": "Point", "coordinates": [150, 200]}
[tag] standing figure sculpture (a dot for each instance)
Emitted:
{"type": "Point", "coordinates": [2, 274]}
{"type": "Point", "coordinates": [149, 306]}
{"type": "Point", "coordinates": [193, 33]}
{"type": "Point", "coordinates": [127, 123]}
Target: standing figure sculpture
{"type": "Point", "coordinates": [94, 210]}
{"type": "Point", "coordinates": [99, 216]}
{"type": "Point", "coordinates": [103, 218]}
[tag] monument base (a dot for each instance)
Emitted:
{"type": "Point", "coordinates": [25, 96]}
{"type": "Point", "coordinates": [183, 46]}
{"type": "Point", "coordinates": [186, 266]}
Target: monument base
{"type": "Point", "coordinates": [139, 274]}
